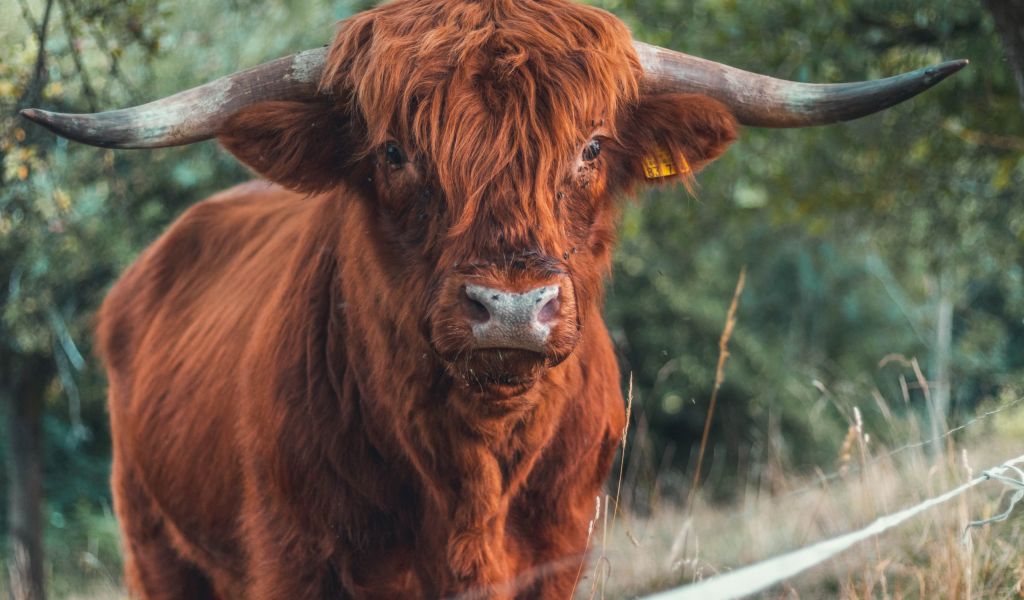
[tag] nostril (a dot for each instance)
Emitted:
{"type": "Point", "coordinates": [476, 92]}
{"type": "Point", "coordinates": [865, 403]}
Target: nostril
{"type": "Point", "coordinates": [549, 313]}
{"type": "Point", "coordinates": [477, 311]}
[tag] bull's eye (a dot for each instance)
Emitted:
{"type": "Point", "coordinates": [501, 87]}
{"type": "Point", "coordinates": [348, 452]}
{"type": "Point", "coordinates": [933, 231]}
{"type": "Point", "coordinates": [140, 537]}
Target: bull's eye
{"type": "Point", "coordinates": [592, 151]}
{"type": "Point", "coordinates": [394, 154]}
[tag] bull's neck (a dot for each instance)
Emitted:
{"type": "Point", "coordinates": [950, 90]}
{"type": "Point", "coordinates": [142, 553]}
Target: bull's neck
{"type": "Point", "coordinates": [470, 461]}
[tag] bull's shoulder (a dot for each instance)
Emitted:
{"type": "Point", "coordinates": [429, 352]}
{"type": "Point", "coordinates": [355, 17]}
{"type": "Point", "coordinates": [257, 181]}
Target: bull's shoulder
{"type": "Point", "coordinates": [214, 234]}
{"type": "Point", "coordinates": [214, 262]}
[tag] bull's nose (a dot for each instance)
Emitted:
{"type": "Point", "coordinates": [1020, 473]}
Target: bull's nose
{"type": "Point", "coordinates": [520, 320]}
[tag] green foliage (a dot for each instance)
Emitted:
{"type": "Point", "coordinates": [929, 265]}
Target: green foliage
{"type": "Point", "coordinates": [846, 231]}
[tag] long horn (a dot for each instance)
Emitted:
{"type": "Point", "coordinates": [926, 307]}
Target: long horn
{"type": "Point", "coordinates": [193, 115]}
{"type": "Point", "coordinates": [763, 101]}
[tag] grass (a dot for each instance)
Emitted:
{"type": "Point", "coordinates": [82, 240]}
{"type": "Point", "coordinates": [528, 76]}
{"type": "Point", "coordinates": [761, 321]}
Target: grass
{"type": "Point", "coordinates": [662, 544]}
{"type": "Point", "coordinates": [665, 543]}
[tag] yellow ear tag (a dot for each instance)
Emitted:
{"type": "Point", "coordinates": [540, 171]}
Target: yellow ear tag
{"type": "Point", "coordinates": [662, 165]}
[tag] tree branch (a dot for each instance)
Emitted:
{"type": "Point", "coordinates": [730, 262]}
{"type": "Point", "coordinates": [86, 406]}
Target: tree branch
{"type": "Point", "coordinates": [115, 63]}
{"type": "Point", "coordinates": [76, 56]}
{"type": "Point", "coordinates": [1009, 19]}
{"type": "Point", "coordinates": [35, 88]}
{"type": "Point", "coordinates": [904, 33]}
{"type": "Point", "coordinates": [26, 13]}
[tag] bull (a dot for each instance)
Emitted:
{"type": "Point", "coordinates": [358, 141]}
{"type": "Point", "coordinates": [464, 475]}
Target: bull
{"type": "Point", "coordinates": [380, 370]}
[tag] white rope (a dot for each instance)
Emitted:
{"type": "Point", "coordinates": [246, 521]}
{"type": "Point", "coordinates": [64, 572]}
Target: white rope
{"type": "Point", "coordinates": [762, 575]}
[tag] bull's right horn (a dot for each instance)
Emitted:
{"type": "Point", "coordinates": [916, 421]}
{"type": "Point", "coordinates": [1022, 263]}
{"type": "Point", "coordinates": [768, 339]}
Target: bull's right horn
{"type": "Point", "coordinates": [193, 115]}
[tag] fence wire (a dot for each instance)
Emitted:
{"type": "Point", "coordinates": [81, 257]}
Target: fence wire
{"type": "Point", "coordinates": [855, 468]}
{"type": "Point", "coordinates": [760, 576]}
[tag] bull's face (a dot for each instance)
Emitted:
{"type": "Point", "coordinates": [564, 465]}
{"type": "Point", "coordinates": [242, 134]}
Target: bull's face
{"type": "Point", "coordinates": [491, 150]}
{"type": "Point", "coordinates": [489, 140]}
{"type": "Point", "coordinates": [503, 299]}
{"type": "Point", "coordinates": [516, 266]}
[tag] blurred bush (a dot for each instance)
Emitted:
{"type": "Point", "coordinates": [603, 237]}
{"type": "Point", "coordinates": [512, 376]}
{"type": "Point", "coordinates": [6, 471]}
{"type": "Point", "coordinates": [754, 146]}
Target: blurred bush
{"type": "Point", "coordinates": [856, 237]}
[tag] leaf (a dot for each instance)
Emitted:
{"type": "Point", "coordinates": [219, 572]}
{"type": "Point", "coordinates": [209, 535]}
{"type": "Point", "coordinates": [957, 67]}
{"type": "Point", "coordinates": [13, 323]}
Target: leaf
{"type": "Point", "coordinates": [62, 199]}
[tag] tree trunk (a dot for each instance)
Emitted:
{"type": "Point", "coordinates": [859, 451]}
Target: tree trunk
{"type": "Point", "coordinates": [1009, 19]}
{"type": "Point", "coordinates": [27, 386]}
{"type": "Point", "coordinates": [942, 359]}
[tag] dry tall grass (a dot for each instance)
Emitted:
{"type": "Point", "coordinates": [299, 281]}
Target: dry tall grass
{"type": "Point", "coordinates": [929, 557]}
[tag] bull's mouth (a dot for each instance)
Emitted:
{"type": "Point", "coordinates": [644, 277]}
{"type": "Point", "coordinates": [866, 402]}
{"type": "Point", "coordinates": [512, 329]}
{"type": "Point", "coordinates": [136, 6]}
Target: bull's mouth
{"type": "Point", "coordinates": [500, 372]}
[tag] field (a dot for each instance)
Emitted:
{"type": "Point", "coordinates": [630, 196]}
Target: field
{"type": "Point", "coordinates": [655, 542]}
{"type": "Point", "coordinates": [932, 556]}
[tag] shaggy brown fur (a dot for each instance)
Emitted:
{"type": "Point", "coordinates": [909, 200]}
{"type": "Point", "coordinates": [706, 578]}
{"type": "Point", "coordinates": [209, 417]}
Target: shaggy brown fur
{"type": "Point", "coordinates": [296, 406]}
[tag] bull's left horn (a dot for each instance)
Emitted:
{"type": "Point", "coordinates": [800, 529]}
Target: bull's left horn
{"type": "Point", "coordinates": [193, 115]}
{"type": "Point", "coordinates": [763, 101]}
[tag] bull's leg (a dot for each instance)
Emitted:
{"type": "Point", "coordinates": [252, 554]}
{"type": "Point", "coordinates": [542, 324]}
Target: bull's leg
{"type": "Point", "coordinates": [153, 568]}
{"type": "Point", "coordinates": [283, 563]}
{"type": "Point", "coordinates": [558, 532]}
{"type": "Point", "coordinates": [556, 579]}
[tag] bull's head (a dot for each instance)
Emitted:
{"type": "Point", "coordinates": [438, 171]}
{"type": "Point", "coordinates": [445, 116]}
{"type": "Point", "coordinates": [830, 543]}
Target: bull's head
{"type": "Point", "coordinates": [489, 140]}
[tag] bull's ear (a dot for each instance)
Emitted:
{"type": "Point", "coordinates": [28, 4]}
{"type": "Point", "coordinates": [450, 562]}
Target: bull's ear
{"type": "Point", "coordinates": [304, 146]}
{"type": "Point", "coordinates": [668, 137]}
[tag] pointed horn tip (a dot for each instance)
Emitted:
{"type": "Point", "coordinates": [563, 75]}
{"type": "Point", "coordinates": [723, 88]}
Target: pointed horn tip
{"type": "Point", "coordinates": [941, 71]}
{"type": "Point", "coordinates": [45, 118]}
{"type": "Point", "coordinates": [35, 115]}
{"type": "Point", "coordinates": [70, 126]}
{"type": "Point", "coordinates": [52, 121]}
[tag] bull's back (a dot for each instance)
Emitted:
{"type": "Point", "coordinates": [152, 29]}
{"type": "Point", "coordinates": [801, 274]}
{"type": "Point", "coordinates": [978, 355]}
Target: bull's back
{"type": "Point", "coordinates": [172, 332]}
